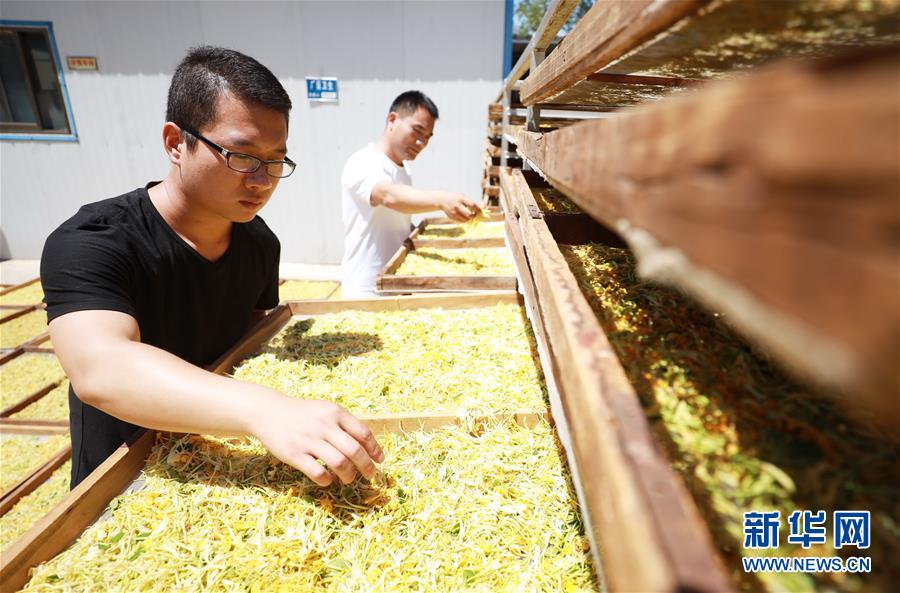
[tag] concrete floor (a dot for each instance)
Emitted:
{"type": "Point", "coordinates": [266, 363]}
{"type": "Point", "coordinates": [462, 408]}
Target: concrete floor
{"type": "Point", "coordinates": [15, 271]}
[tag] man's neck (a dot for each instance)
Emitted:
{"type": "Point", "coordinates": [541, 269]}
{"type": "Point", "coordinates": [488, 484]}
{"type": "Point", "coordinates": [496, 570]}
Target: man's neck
{"type": "Point", "coordinates": [207, 233]}
{"type": "Point", "coordinates": [385, 147]}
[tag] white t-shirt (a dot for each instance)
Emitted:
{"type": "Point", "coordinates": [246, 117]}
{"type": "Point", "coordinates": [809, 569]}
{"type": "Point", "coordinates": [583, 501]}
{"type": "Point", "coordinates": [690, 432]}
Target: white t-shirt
{"type": "Point", "coordinates": [371, 234]}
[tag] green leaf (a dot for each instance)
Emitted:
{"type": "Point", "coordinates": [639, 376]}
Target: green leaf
{"type": "Point", "coordinates": [337, 564]}
{"type": "Point", "coordinates": [469, 576]}
{"type": "Point", "coordinates": [103, 546]}
{"type": "Point", "coordinates": [117, 537]}
{"type": "Point", "coordinates": [137, 553]}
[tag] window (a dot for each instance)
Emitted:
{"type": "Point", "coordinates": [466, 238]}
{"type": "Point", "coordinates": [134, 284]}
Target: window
{"type": "Point", "coordinates": [33, 100]}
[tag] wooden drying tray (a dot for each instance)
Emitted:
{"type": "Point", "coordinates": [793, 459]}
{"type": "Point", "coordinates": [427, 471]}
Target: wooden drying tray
{"type": "Point", "coordinates": [16, 287]}
{"type": "Point", "coordinates": [33, 480]}
{"type": "Point", "coordinates": [650, 535]}
{"type": "Point", "coordinates": [416, 242]}
{"type": "Point", "coordinates": [772, 199]}
{"type": "Point", "coordinates": [28, 345]}
{"type": "Point", "coordinates": [84, 504]}
{"type": "Point", "coordinates": [387, 282]}
{"type": "Point", "coordinates": [678, 42]}
{"type": "Point", "coordinates": [30, 425]}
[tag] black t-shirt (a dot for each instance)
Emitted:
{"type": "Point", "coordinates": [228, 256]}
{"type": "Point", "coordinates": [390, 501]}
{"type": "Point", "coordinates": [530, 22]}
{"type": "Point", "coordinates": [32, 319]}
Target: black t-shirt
{"type": "Point", "coordinates": [121, 255]}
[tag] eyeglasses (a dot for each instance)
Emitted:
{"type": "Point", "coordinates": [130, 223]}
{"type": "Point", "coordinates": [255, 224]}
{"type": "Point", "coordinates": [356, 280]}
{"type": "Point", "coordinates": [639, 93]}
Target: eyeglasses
{"type": "Point", "coordinates": [245, 163]}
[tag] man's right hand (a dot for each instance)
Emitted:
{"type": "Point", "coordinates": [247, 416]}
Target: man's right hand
{"type": "Point", "coordinates": [458, 207]}
{"type": "Point", "coordinates": [303, 432]}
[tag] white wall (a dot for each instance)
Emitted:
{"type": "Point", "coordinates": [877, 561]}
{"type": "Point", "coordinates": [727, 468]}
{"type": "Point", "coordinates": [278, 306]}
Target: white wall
{"type": "Point", "coordinates": [451, 50]}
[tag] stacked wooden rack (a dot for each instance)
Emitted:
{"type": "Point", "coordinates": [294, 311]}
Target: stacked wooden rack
{"type": "Point", "coordinates": [762, 186]}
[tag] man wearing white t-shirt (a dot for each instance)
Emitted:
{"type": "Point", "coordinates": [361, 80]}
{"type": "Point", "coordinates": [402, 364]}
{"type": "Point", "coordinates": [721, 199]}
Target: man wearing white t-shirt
{"type": "Point", "coordinates": [377, 197]}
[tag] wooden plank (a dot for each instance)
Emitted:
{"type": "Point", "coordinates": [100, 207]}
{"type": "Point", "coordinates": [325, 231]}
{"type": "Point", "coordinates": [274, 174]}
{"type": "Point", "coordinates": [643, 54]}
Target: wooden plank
{"type": "Point", "coordinates": [457, 243]}
{"type": "Point", "coordinates": [50, 425]}
{"type": "Point", "coordinates": [395, 261]}
{"type": "Point", "coordinates": [604, 33]}
{"type": "Point", "coordinates": [28, 400]}
{"type": "Point", "coordinates": [264, 329]}
{"type": "Point", "coordinates": [399, 303]}
{"type": "Point", "coordinates": [640, 512]}
{"type": "Point", "coordinates": [428, 422]}
{"type": "Point", "coordinates": [759, 196]}
{"type": "Point", "coordinates": [637, 79]}
{"type": "Point", "coordinates": [397, 283]}
{"type": "Point", "coordinates": [38, 350]}
{"type": "Point", "coordinates": [36, 342]}
{"type": "Point", "coordinates": [38, 477]}
{"type": "Point", "coordinates": [556, 15]}
{"type": "Point", "coordinates": [15, 287]}
{"type": "Point", "coordinates": [491, 215]}
{"type": "Point", "coordinates": [7, 355]}
{"type": "Point", "coordinates": [61, 526]}
{"type": "Point", "coordinates": [15, 314]}
{"type": "Point", "coordinates": [26, 426]}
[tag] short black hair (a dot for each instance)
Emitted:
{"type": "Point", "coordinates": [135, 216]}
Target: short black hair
{"type": "Point", "coordinates": [407, 103]}
{"type": "Point", "coordinates": [205, 73]}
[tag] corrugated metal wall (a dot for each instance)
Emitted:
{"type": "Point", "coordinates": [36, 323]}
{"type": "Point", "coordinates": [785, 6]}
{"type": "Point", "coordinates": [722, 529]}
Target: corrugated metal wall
{"type": "Point", "coordinates": [452, 51]}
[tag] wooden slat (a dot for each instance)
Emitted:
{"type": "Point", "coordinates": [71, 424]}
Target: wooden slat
{"type": "Point", "coordinates": [34, 425]}
{"type": "Point", "coordinates": [761, 196]}
{"type": "Point", "coordinates": [24, 426]}
{"type": "Point", "coordinates": [457, 243]}
{"type": "Point", "coordinates": [395, 283]}
{"type": "Point", "coordinates": [64, 523]}
{"type": "Point", "coordinates": [395, 261]}
{"type": "Point", "coordinates": [7, 355]}
{"type": "Point", "coordinates": [409, 422]}
{"type": "Point", "coordinates": [402, 303]}
{"type": "Point", "coordinates": [491, 215]}
{"type": "Point", "coordinates": [556, 15]}
{"type": "Point", "coordinates": [15, 314]}
{"type": "Point", "coordinates": [264, 329]}
{"type": "Point", "coordinates": [651, 536]}
{"type": "Point", "coordinates": [607, 31]}
{"type": "Point", "coordinates": [28, 400]}
{"type": "Point", "coordinates": [15, 287]}
{"type": "Point", "coordinates": [38, 477]}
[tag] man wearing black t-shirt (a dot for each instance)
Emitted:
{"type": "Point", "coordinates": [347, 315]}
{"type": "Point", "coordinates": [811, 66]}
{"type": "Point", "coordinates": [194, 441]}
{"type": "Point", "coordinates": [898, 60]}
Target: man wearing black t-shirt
{"type": "Point", "coordinates": [144, 289]}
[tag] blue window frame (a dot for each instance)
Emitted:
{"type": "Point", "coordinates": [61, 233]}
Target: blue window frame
{"type": "Point", "coordinates": [34, 101]}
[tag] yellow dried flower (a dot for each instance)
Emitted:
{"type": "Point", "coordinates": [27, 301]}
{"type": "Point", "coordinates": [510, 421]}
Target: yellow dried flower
{"type": "Point", "coordinates": [294, 290]}
{"type": "Point", "coordinates": [413, 360]}
{"type": "Point", "coordinates": [481, 230]}
{"type": "Point", "coordinates": [28, 295]}
{"type": "Point", "coordinates": [53, 406]}
{"type": "Point", "coordinates": [25, 374]}
{"type": "Point", "coordinates": [484, 261]}
{"type": "Point", "coordinates": [448, 511]}
{"type": "Point", "coordinates": [35, 505]}
{"type": "Point", "coordinates": [21, 454]}
{"type": "Point", "coordinates": [22, 329]}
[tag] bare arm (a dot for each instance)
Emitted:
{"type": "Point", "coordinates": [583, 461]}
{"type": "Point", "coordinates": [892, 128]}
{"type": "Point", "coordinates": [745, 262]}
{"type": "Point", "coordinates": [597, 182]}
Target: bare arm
{"type": "Point", "coordinates": [410, 200]}
{"type": "Point", "coordinates": [113, 371]}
